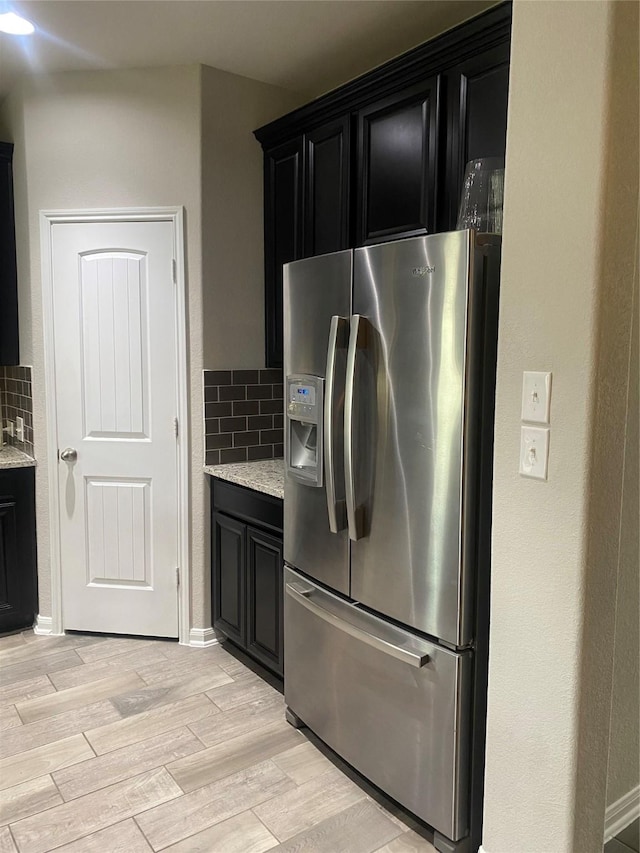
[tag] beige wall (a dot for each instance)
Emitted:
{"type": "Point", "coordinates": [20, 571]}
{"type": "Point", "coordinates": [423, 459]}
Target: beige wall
{"type": "Point", "coordinates": [555, 543]}
{"type": "Point", "coordinates": [151, 137]}
{"type": "Point", "coordinates": [98, 139]}
{"type": "Point", "coordinates": [232, 319]}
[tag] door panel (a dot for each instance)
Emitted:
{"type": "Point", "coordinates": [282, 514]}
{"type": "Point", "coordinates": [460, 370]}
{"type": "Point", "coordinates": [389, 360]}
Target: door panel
{"type": "Point", "coordinates": [264, 598]}
{"type": "Point", "coordinates": [402, 723]}
{"type": "Point", "coordinates": [326, 203]}
{"type": "Point", "coordinates": [315, 290]}
{"type": "Point", "coordinates": [411, 400]}
{"type": "Point", "coordinates": [397, 164]}
{"type": "Point", "coordinates": [116, 387]}
{"type": "Point", "coordinates": [229, 591]}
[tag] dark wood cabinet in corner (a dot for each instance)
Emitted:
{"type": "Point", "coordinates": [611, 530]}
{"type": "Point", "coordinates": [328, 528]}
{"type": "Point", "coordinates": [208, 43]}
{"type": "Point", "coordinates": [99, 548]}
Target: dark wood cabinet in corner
{"type": "Point", "coordinates": [247, 571]}
{"type": "Point", "coordinates": [9, 349]}
{"type": "Point", "coordinates": [383, 156]}
{"type": "Point", "coordinates": [18, 585]}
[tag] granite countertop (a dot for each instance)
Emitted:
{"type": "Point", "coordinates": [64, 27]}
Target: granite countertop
{"type": "Point", "coordinates": [265, 476]}
{"type": "Point", "coordinates": [11, 457]}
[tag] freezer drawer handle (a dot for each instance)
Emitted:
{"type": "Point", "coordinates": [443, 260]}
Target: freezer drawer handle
{"type": "Point", "coordinates": [303, 595]}
{"type": "Point", "coordinates": [335, 508]}
{"type": "Point", "coordinates": [355, 514]}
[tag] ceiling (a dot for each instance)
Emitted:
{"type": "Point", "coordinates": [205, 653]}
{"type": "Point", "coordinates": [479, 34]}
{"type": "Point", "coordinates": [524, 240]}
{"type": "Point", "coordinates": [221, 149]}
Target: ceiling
{"type": "Point", "coordinates": [309, 46]}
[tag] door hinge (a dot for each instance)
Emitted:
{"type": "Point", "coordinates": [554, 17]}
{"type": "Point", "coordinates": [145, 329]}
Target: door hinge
{"type": "Point", "coordinates": [174, 269]}
{"type": "Point", "coordinates": [177, 576]}
{"type": "Point", "coordinates": [176, 427]}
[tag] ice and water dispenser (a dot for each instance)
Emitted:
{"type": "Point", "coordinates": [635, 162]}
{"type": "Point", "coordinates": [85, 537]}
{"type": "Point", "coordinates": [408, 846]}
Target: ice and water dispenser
{"type": "Point", "coordinates": [304, 432]}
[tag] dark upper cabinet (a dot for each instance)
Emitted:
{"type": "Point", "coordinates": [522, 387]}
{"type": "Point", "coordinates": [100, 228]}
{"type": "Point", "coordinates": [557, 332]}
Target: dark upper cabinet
{"type": "Point", "coordinates": [283, 234]}
{"type": "Point", "coordinates": [9, 351]}
{"type": "Point", "coordinates": [383, 156]}
{"type": "Point", "coordinates": [18, 586]}
{"type": "Point", "coordinates": [326, 188]}
{"type": "Point", "coordinates": [478, 91]}
{"type": "Point", "coordinates": [397, 151]}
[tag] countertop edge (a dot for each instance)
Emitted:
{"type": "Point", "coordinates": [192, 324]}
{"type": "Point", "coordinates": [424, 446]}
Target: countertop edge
{"type": "Point", "coordinates": [264, 476]}
{"type": "Point", "coordinates": [13, 457]}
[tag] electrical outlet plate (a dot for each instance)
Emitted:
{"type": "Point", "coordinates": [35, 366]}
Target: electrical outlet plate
{"type": "Point", "coordinates": [20, 428]}
{"type": "Point", "coordinates": [536, 397]}
{"type": "Point", "coordinates": [534, 452]}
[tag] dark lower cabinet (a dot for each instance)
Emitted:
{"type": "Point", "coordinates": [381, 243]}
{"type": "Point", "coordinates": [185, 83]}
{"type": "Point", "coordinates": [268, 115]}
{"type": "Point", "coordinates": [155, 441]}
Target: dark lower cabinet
{"type": "Point", "coordinates": [18, 587]}
{"type": "Point", "coordinates": [247, 568]}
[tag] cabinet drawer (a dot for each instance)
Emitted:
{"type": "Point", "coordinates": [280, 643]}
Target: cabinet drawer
{"type": "Point", "coordinates": [395, 706]}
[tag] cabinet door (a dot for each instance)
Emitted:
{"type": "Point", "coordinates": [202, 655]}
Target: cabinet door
{"type": "Point", "coordinates": [264, 599]}
{"type": "Point", "coordinates": [18, 585]}
{"type": "Point", "coordinates": [397, 153]}
{"type": "Point", "coordinates": [477, 95]}
{"type": "Point", "coordinates": [326, 197]}
{"type": "Point", "coordinates": [8, 280]}
{"type": "Point", "coordinates": [229, 577]}
{"type": "Point", "coordinates": [283, 234]}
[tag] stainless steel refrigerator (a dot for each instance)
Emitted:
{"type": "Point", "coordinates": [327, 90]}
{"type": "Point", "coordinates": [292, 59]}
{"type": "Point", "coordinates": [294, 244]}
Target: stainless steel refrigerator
{"type": "Point", "coordinates": [389, 381]}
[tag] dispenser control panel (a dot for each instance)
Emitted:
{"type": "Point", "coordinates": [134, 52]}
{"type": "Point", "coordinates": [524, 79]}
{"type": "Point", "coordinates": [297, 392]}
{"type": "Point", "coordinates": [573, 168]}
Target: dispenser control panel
{"type": "Point", "coordinates": [302, 401]}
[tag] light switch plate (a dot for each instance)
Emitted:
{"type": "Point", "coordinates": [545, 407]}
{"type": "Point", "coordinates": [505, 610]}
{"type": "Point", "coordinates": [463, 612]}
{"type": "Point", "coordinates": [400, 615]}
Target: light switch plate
{"type": "Point", "coordinates": [534, 452]}
{"type": "Point", "coordinates": [536, 397]}
{"type": "Point", "coordinates": [20, 428]}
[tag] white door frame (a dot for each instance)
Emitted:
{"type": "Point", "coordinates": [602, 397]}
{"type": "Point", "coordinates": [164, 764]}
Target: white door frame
{"type": "Point", "coordinates": [48, 218]}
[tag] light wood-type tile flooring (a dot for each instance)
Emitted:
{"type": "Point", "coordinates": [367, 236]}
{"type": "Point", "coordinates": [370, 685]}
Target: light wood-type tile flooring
{"type": "Point", "coordinates": [121, 745]}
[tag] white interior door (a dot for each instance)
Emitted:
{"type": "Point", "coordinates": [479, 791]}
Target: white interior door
{"type": "Point", "coordinates": [115, 343]}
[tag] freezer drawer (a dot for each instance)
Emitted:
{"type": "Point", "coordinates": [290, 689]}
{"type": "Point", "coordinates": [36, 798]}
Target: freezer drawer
{"type": "Point", "coordinates": [393, 705]}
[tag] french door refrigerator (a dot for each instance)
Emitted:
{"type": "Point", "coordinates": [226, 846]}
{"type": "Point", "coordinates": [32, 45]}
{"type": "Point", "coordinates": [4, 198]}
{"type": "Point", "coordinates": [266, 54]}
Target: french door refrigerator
{"type": "Point", "coordinates": [389, 379]}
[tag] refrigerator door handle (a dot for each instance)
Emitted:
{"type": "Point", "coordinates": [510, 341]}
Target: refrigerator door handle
{"type": "Point", "coordinates": [354, 513]}
{"type": "Point", "coordinates": [304, 596]}
{"type": "Point", "coordinates": [335, 508]}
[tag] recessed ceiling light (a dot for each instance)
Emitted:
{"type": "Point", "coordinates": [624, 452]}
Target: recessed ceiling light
{"type": "Point", "coordinates": [15, 25]}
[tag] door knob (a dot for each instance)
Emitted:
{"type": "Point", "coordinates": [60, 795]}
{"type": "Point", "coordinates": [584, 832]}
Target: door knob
{"type": "Point", "coordinates": [69, 454]}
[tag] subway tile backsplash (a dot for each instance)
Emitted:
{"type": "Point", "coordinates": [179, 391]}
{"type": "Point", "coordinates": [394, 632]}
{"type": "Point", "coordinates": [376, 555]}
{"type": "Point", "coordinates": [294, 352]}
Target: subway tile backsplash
{"type": "Point", "coordinates": [16, 400]}
{"type": "Point", "coordinates": [243, 415]}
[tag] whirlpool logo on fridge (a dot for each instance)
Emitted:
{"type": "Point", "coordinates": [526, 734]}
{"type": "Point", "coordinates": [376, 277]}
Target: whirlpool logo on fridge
{"type": "Point", "coordinates": [422, 270]}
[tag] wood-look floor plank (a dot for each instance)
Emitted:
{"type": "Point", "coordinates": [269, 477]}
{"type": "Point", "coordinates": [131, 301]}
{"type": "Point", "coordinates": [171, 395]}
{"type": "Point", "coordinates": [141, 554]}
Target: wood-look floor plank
{"type": "Point", "coordinates": [149, 723]}
{"type": "Point", "coordinates": [158, 673]}
{"type": "Point", "coordinates": [241, 834]}
{"type": "Point", "coordinates": [246, 718]}
{"type": "Point", "coordinates": [359, 829]}
{"type": "Point", "coordinates": [46, 647]}
{"type": "Point", "coordinates": [122, 837]}
{"type": "Point", "coordinates": [124, 662]}
{"type": "Point", "coordinates": [172, 690]}
{"type": "Point", "coordinates": [89, 814]}
{"type": "Point", "coordinates": [76, 697]}
{"type": "Point", "coordinates": [212, 804]}
{"type": "Point", "coordinates": [55, 728]}
{"type": "Point", "coordinates": [303, 762]}
{"type": "Point", "coordinates": [6, 841]}
{"type": "Point", "coordinates": [240, 692]}
{"type": "Point", "coordinates": [230, 757]}
{"type": "Point", "coordinates": [43, 759]}
{"type": "Point", "coordinates": [22, 691]}
{"type": "Point", "coordinates": [37, 666]}
{"type": "Point", "coordinates": [106, 648]}
{"type": "Point", "coordinates": [124, 763]}
{"type": "Point", "coordinates": [29, 798]}
{"type": "Point", "coordinates": [309, 804]}
{"type": "Point", "coordinates": [408, 842]}
{"type": "Point", "coordinates": [9, 641]}
{"type": "Point", "coordinates": [9, 718]}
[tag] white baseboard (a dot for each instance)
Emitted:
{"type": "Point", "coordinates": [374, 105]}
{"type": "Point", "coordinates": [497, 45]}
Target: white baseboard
{"type": "Point", "coordinates": [202, 637]}
{"type": "Point", "coordinates": [44, 627]}
{"type": "Point", "coordinates": [620, 814]}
